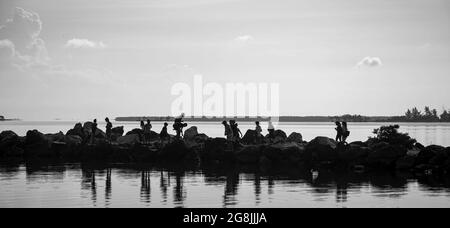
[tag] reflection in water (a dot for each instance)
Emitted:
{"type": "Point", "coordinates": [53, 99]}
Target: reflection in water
{"type": "Point", "coordinates": [218, 187]}
{"type": "Point", "coordinates": [108, 186]}
{"type": "Point", "coordinates": [145, 186]}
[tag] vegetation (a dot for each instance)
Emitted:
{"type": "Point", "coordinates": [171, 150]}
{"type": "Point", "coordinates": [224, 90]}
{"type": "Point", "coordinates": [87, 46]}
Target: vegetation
{"type": "Point", "coordinates": [428, 115]}
{"type": "Point", "coordinates": [390, 134]}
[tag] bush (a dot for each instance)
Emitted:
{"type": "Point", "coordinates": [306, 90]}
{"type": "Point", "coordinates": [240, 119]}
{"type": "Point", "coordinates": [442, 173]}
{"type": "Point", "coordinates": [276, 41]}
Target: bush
{"type": "Point", "coordinates": [390, 134]}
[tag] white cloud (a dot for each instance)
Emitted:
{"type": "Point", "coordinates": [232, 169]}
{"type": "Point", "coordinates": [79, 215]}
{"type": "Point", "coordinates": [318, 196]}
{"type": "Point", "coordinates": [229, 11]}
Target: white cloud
{"type": "Point", "coordinates": [244, 38]}
{"type": "Point", "coordinates": [21, 44]}
{"type": "Point", "coordinates": [84, 43]}
{"type": "Point", "coordinates": [370, 62]}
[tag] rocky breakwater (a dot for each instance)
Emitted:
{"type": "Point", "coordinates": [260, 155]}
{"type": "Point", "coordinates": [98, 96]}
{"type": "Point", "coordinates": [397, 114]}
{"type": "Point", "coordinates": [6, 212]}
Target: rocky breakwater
{"type": "Point", "coordinates": [387, 150]}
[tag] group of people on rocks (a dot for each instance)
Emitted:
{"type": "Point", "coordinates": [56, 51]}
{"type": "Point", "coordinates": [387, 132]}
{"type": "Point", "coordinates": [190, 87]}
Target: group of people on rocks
{"type": "Point", "coordinates": [232, 132]}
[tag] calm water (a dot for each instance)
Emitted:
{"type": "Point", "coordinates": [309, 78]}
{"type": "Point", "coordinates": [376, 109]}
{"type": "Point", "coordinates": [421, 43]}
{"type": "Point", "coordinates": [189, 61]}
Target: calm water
{"type": "Point", "coordinates": [425, 133]}
{"type": "Point", "coordinates": [75, 185]}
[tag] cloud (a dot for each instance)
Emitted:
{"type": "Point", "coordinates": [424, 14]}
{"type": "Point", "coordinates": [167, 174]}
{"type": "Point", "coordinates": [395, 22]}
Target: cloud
{"type": "Point", "coordinates": [84, 43]}
{"type": "Point", "coordinates": [20, 43]}
{"type": "Point", "coordinates": [370, 62]}
{"type": "Point", "coordinates": [244, 38]}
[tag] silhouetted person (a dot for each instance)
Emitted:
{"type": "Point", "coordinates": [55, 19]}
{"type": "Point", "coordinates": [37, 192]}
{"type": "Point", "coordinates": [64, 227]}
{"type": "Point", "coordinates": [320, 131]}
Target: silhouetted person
{"type": "Point", "coordinates": [271, 130]}
{"type": "Point", "coordinates": [237, 134]}
{"type": "Point", "coordinates": [147, 131]}
{"type": "Point", "coordinates": [345, 131]}
{"type": "Point", "coordinates": [258, 130]}
{"type": "Point", "coordinates": [108, 129]}
{"type": "Point", "coordinates": [178, 125]}
{"type": "Point", "coordinates": [163, 135]}
{"type": "Point", "coordinates": [93, 130]}
{"type": "Point", "coordinates": [228, 134]}
{"type": "Point", "coordinates": [141, 136]}
{"type": "Point", "coordinates": [338, 131]}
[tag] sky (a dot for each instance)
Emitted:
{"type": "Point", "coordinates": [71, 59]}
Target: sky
{"type": "Point", "coordinates": [80, 59]}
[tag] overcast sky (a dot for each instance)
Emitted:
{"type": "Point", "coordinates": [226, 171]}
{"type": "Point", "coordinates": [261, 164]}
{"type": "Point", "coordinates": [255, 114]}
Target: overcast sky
{"type": "Point", "coordinates": [80, 59]}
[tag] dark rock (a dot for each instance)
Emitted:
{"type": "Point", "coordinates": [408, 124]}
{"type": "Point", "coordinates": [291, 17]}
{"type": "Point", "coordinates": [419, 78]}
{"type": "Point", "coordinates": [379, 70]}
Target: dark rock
{"type": "Point", "coordinates": [129, 139]}
{"type": "Point", "coordinates": [353, 154]}
{"type": "Point", "coordinates": [37, 145]}
{"type": "Point", "coordinates": [278, 136]}
{"type": "Point", "coordinates": [177, 151]}
{"type": "Point", "coordinates": [216, 150]}
{"type": "Point", "coordinates": [405, 163]}
{"type": "Point", "coordinates": [427, 153]}
{"type": "Point", "coordinates": [58, 137]}
{"type": "Point", "coordinates": [295, 137]}
{"type": "Point", "coordinates": [359, 143]}
{"type": "Point", "coordinates": [116, 132]}
{"type": "Point", "coordinates": [138, 132]}
{"type": "Point", "coordinates": [418, 145]}
{"type": "Point", "coordinates": [77, 130]}
{"type": "Point", "coordinates": [285, 153]}
{"type": "Point", "coordinates": [190, 133]}
{"type": "Point", "coordinates": [385, 155]}
{"type": "Point", "coordinates": [249, 137]}
{"type": "Point", "coordinates": [322, 149]}
{"type": "Point", "coordinates": [249, 154]}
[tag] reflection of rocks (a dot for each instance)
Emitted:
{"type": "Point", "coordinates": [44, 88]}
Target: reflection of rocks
{"type": "Point", "coordinates": [195, 148]}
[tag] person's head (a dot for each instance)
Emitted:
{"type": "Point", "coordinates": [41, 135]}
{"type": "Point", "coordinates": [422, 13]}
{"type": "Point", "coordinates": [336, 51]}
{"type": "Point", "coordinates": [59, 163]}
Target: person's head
{"type": "Point", "coordinates": [257, 123]}
{"type": "Point", "coordinates": [107, 119]}
{"type": "Point", "coordinates": [165, 124]}
{"type": "Point", "coordinates": [232, 122]}
{"type": "Point", "coordinates": [95, 120]}
{"type": "Point", "coordinates": [148, 121]}
{"type": "Point", "coordinates": [337, 123]}
{"type": "Point", "coordinates": [224, 122]}
{"type": "Point", "coordinates": [344, 123]}
{"type": "Point", "coordinates": [142, 122]}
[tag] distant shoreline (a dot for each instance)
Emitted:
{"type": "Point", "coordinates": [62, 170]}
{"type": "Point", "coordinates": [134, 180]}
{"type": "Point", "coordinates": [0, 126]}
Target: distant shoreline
{"type": "Point", "coordinates": [347, 118]}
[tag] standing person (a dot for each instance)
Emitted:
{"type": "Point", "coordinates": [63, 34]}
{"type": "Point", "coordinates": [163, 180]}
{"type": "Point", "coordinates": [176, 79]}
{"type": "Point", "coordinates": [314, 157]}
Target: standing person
{"type": "Point", "coordinates": [271, 130]}
{"type": "Point", "coordinates": [163, 135]}
{"type": "Point", "coordinates": [338, 131]}
{"type": "Point", "coordinates": [258, 130]}
{"type": "Point", "coordinates": [147, 130]}
{"type": "Point", "coordinates": [345, 131]}
{"type": "Point", "coordinates": [141, 135]}
{"type": "Point", "coordinates": [237, 134]}
{"type": "Point", "coordinates": [178, 125]}
{"type": "Point", "coordinates": [228, 132]}
{"type": "Point", "coordinates": [93, 130]}
{"type": "Point", "coordinates": [108, 129]}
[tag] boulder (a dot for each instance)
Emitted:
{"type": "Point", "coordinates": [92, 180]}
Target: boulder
{"type": "Point", "coordinates": [35, 137]}
{"type": "Point", "coordinates": [87, 129]}
{"type": "Point", "coordinates": [285, 154]}
{"type": "Point", "coordinates": [190, 133]}
{"type": "Point", "coordinates": [249, 137]}
{"type": "Point", "coordinates": [58, 137]}
{"type": "Point", "coordinates": [384, 154]}
{"type": "Point", "coordinates": [359, 143]}
{"type": "Point", "coordinates": [295, 137]}
{"type": "Point", "coordinates": [10, 144]}
{"type": "Point", "coordinates": [427, 153]}
{"type": "Point", "coordinates": [129, 139]}
{"type": "Point", "coordinates": [73, 140]}
{"type": "Point", "coordinates": [279, 136]}
{"type": "Point", "coordinates": [77, 130]}
{"type": "Point", "coordinates": [216, 150]}
{"type": "Point", "coordinates": [249, 154]}
{"type": "Point", "coordinates": [37, 145]}
{"type": "Point", "coordinates": [322, 149]}
{"type": "Point", "coordinates": [414, 151]}
{"type": "Point", "coordinates": [353, 154]}
{"type": "Point", "coordinates": [177, 151]}
{"type": "Point", "coordinates": [116, 132]}
{"type": "Point", "coordinates": [406, 162]}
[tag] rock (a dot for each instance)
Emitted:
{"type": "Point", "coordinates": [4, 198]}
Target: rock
{"type": "Point", "coordinates": [58, 137]}
{"type": "Point", "coordinates": [359, 143]}
{"type": "Point", "coordinates": [73, 140]}
{"type": "Point", "coordinates": [153, 136]}
{"type": "Point", "coordinates": [406, 162]}
{"type": "Point", "coordinates": [77, 130]}
{"type": "Point", "coordinates": [354, 154]}
{"type": "Point", "coordinates": [414, 151]}
{"type": "Point", "coordinates": [177, 151]}
{"type": "Point", "coordinates": [295, 137]}
{"type": "Point", "coordinates": [201, 138]}
{"type": "Point", "coordinates": [249, 154]}
{"type": "Point", "coordinates": [129, 139]}
{"type": "Point", "coordinates": [215, 150]}
{"type": "Point", "coordinates": [35, 137]}
{"type": "Point", "coordinates": [385, 155]}
{"type": "Point", "coordinates": [322, 149]}
{"type": "Point", "coordinates": [190, 133]}
{"type": "Point", "coordinates": [427, 153]}
{"type": "Point", "coordinates": [37, 145]}
{"type": "Point", "coordinates": [87, 128]}
{"type": "Point", "coordinates": [116, 132]}
{"type": "Point", "coordinates": [249, 137]}
{"type": "Point", "coordinates": [279, 136]}
{"type": "Point", "coordinates": [285, 153]}
{"type": "Point", "coordinates": [10, 144]}
{"type": "Point", "coordinates": [419, 146]}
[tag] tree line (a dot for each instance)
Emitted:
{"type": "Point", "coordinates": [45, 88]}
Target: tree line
{"type": "Point", "coordinates": [428, 115]}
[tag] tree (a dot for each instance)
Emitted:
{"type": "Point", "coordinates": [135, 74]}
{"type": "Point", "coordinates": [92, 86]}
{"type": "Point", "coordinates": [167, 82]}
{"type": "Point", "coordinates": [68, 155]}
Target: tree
{"type": "Point", "coordinates": [408, 114]}
{"type": "Point", "coordinates": [445, 116]}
